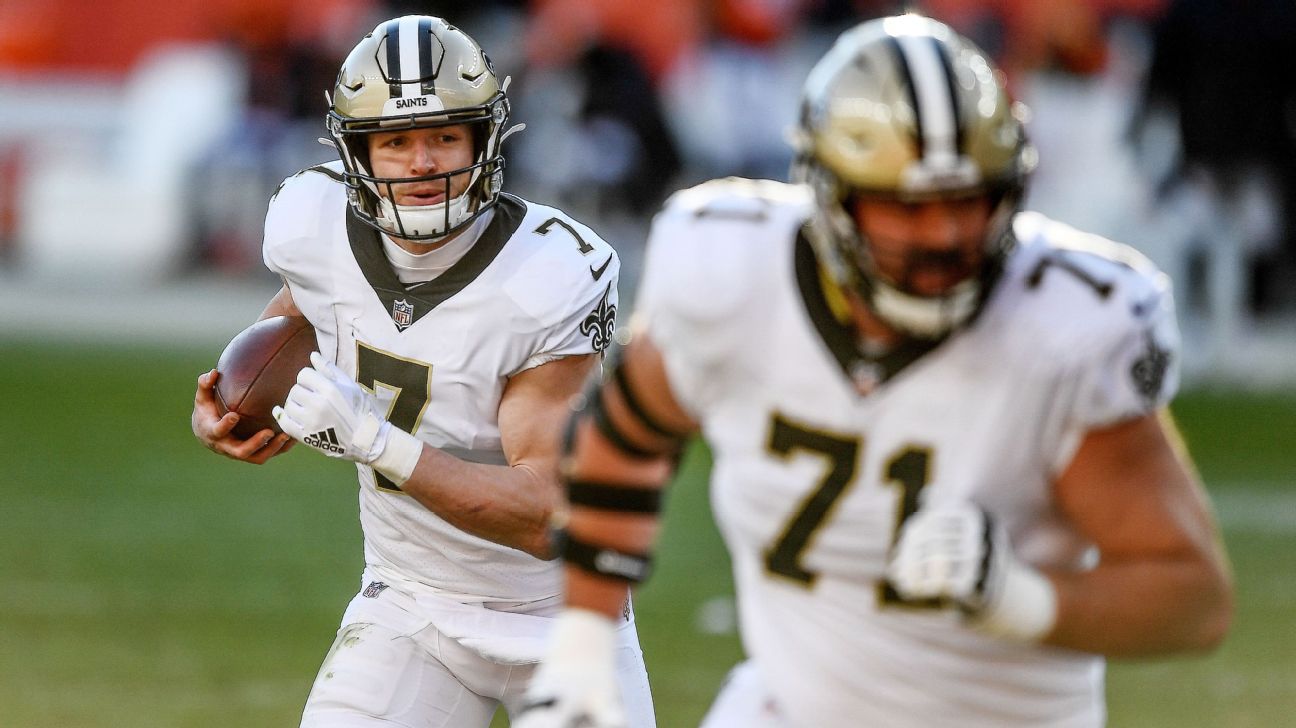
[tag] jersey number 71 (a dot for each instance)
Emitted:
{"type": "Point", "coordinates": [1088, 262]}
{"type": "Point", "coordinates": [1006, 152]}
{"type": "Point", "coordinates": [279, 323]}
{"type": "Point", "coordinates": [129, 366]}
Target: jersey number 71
{"type": "Point", "coordinates": [908, 469]}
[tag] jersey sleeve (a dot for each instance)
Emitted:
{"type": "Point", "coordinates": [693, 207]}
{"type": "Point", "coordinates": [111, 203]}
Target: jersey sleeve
{"type": "Point", "coordinates": [293, 220]}
{"type": "Point", "coordinates": [672, 310]}
{"type": "Point", "coordinates": [589, 325]}
{"type": "Point", "coordinates": [567, 289]}
{"type": "Point", "coordinates": [714, 256]}
{"type": "Point", "coordinates": [1092, 327]}
{"type": "Point", "coordinates": [296, 242]}
{"type": "Point", "coordinates": [1126, 366]}
{"type": "Point", "coordinates": [1137, 371]}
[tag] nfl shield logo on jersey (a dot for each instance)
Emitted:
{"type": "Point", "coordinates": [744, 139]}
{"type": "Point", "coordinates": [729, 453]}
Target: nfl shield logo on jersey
{"type": "Point", "coordinates": [374, 589]}
{"type": "Point", "coordinates": [402, 314]}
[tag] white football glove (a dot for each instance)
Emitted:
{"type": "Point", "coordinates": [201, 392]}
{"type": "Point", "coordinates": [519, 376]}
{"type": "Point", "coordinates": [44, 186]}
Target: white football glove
{"type": "Point", "coordinates": [575, 685]}
{"type": "Point", "coordinates": [954, 553]}
{"type": "Point", "coordinates": [328, 411]}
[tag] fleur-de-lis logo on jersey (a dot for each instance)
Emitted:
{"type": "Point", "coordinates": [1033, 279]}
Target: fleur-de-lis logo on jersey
{"type": "Point", "coordinates": [1149, 370]}
{"type": "Point", "coordinates": [599, 323]}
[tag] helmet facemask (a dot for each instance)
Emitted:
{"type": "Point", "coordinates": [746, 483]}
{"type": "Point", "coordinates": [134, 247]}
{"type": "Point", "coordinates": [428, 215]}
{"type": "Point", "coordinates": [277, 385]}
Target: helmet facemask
{"type": "Point", "coordinates": [862, 136]}
{"type": "Point", "coordinates": [418, 72]}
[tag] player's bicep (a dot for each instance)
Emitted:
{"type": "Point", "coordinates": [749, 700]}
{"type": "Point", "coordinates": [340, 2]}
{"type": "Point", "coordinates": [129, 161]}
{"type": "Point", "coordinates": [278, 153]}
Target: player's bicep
{"type": "Point", "coordinates": [535, 405]}
{"type": "Point", "coordinates": [1132, 491]}
{"type": "Point", "coordinates": [641, 396]}
{"type": "Point", "coordinates": [630, 427]}
{"type": "Point", "coordinates": [621, 449]}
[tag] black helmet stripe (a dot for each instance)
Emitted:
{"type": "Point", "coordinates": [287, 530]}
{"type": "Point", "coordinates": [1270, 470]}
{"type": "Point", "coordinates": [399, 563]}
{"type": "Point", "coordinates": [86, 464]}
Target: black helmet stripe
{"type": "Point", "coordinates": [427, 74]}
{"type": "Point", "coordinates": [902, 65]}
{"type": "Point", "coordinates": [393, 58]}
{"type": "Point", "coordinates": [409, 42]}
{"type": "Point", "coordinates": [960, 127]}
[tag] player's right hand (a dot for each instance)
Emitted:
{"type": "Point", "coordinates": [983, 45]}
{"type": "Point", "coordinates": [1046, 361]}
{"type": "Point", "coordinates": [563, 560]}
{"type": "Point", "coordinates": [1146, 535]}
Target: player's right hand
{"type": "Point", "coordinates": [955, 553]}
{"type": "Point", "coordinates": [575, 685]}
{"type": "Point", "coordinates": [215, 431]}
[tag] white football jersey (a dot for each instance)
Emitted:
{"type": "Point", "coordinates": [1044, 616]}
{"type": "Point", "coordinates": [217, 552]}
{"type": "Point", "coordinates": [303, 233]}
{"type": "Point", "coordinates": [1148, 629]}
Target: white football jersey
{"type": "Point", "coordinates": [535, 287]}
{"type": "Point", "coordinates": [820, 454]}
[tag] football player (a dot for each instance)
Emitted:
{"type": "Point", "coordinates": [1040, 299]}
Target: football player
{"type": "Point", "coordinates": [942, 463]}
{"type": "Point", "coordinates": [454, 323]}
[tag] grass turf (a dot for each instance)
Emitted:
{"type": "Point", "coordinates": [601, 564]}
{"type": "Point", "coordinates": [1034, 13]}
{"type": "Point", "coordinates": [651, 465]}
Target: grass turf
{"type": "Point", "coordinates": [150, 583]}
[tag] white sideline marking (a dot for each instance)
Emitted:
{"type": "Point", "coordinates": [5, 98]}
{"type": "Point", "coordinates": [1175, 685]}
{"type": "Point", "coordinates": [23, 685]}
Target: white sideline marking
{"type": "Point", "coordinates": [1248, 507]}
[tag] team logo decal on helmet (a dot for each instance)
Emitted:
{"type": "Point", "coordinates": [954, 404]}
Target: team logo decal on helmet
{"type": "Point", "coordinates": [904, 108]}
{"type": "Point", "coordinates": [412, 72]}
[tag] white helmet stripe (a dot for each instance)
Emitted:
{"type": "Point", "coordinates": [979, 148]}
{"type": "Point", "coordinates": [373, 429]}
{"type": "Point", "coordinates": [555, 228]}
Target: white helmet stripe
{"type": "Point", "coordinates": [409, 55]}
{"type": "Point", "coordinates": [931, 90]}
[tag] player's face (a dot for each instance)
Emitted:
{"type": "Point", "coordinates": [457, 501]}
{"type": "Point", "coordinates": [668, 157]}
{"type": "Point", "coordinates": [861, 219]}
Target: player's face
{"type": "Point", "coordinates": [925, 248]}
{"type": "Point", "coordinates": [421, 152]}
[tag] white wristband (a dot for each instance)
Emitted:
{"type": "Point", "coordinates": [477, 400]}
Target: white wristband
{"type": "Point", "coordinates": [399, 455]}
{"type": "Point", "coordinates": [1024, 610]}
{"type": "Point", "coordinates": [581, 634]}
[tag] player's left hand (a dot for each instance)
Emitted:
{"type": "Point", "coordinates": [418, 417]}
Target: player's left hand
{"type": "Point", "coordinates": [955, 553]}
{"type": "Point", "coordinates": [575, 687]}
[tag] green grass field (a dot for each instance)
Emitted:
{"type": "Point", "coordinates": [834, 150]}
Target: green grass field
{"type": "Point", "coordinates": [151, 583]}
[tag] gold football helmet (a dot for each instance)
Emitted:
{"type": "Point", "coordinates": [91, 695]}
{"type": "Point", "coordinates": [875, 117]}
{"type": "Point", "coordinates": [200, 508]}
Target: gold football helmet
{"type": "Point", "coordinates": [904, 108]}
{"type": "Point", "coordinates": [418, 71]}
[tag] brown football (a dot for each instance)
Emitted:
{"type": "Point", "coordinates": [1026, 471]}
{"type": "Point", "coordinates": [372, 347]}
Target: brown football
{"type": "Point", "coordinates": [257, 369]}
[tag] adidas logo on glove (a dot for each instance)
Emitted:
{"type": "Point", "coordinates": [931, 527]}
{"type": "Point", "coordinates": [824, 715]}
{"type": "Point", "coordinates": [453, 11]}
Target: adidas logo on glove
{"type": "Point", "coordinates": [325, 440]}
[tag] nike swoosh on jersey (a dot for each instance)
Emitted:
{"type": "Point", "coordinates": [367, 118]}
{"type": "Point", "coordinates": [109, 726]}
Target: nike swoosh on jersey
{"type": "Point", "coordinates": [599, 273]}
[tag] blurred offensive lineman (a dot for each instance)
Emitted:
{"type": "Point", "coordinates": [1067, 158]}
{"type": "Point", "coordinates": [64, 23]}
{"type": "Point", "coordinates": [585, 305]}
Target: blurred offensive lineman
{"type": "Point", "coordinates": [941, 462]}
{"type": "Point", "coordinates": [455, 323]}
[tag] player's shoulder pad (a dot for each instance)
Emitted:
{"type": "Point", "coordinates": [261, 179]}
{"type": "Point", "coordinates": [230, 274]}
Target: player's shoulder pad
{"type": "Point", "coordinates": [729, 238]}
{"type": "Point", "coordinates": [1098, 289]}
{"type": "Point", "coordinates": [301, 205]}
{"type": "Point", "coordinates": [556, 265]}
{"type": "Point", "coordinates": [737, 202]}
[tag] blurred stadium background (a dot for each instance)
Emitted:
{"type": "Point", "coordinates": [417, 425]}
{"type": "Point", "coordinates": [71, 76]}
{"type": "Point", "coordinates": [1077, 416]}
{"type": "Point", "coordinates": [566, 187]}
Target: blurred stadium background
{"type": "Point", "coordinates": [151, 584]}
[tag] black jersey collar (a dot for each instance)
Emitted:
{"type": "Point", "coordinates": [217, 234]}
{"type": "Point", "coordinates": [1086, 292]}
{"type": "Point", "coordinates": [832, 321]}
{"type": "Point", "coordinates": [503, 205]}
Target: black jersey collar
{"type": "Point", "coordinates": [407, 305]}
{"type": "Point", "coordinates": [865, 372]}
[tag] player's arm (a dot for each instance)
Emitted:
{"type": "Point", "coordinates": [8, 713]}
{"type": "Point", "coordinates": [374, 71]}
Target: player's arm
{"type": "Point", "coordinates": [214, 431]}
{"type": "Point", "coordinates": [509, 504]}
{"type": "Point", "coordinates": [623, 446]}
{"type": "Point", "coordinates": [512, 504]}
{"type": "Point", "coordinates": [1163, 583]}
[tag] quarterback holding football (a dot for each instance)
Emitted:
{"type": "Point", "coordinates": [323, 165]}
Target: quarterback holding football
{"type": "Point", "coordinates": [454, 322]}
{"type": "Point", "coordinates": [942, 461]}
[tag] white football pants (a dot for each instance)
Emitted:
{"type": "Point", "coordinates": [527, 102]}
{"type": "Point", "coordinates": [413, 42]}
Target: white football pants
{"type": "Point", "coordinates": [392, 664]}
{"type": "Point", "coordinates": [743, 702]}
